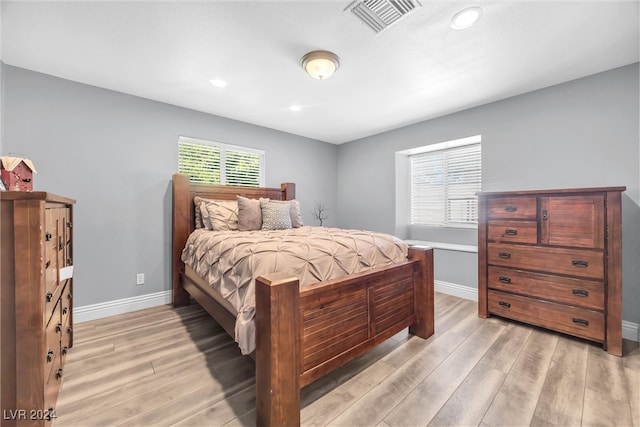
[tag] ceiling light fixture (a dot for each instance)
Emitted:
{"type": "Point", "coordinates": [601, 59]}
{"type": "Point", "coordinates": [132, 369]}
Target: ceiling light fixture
{"type": "Point", "coordinates": [466, 18]}
{"type": "Point", "coordinates": [320, 64]}
{"type": "Point", "coordinates": [218, 83]}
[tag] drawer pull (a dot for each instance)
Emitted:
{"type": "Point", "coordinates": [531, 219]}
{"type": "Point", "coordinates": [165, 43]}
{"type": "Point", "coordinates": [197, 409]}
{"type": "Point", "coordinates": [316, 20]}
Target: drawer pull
{"type": "Point", "coordinates": [579, 263]}
{"type": "Point", "coordinates": [60, 246]}
{"type": "Point", "coordinates": [510, 232]}
{"type": "Point", "coordinates": [47, 236]}
{"type": "Point", "coordinates": [504, 255]}
{"type": "Point", "coordinates": [69, 225]}
{"type": "Point", "coordinates": [69, 330]}
{"type": "Point", "coordinates": [69, 296]}
{"type": "Point", "coordinates": [580, 292]}
{"type": "Point", "coordinates": [504, 304]}
{"type": "Point", "coordinates": [545, 214]}
{"type": "Point", "coordinates": [69, 261]}
{"type": "Point", "coordinates": [66, 309]}
{"type": "Point", "coordinates": [47, 264]}
{"type": "Point", "coordinates": [504, 279]}
{"type": "Point", "coordinates": [510, 208]}
{"type": "Point", "coordinates": [64, 350]}
{"type": "Point", "coordinates": [50, 355]}
{"type": "Point", "coordinates": [59, 373]}
{"type": "Point", "coordinates": [59, 327]}
{"type": "Point", "coordinates": [49, 296]}
{"type": "Point", "coordinates": [580, 322]}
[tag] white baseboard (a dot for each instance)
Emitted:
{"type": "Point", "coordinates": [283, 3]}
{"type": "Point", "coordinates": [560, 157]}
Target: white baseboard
{"type": "Point", "coordinates": [125, 305]}
{"type": "Point", "coordinates": [630, 330]}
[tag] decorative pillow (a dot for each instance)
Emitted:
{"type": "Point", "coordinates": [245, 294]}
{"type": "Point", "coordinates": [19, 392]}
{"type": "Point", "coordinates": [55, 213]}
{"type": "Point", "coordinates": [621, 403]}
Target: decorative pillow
{"type": "Point", "coordinates": [219, 215]}
{"type": "Point", "coordinates": [249, 214]}
{"type": "Point", "coordinates": [294, 210]}
{"type": "Point", "coordinates": [275, 216]}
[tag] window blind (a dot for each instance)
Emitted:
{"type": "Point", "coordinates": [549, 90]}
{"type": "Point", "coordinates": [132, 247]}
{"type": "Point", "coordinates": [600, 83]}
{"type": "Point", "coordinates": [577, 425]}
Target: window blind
{"type": "Point", "coordinates": [444, 184]}
{"type": "Point", "coordinates": [214, 163]}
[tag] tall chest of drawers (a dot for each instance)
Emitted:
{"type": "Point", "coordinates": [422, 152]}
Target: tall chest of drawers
{"type": "Point", "coordinates": [36, 297]}
{"type": "Point", "coordinates": [552, 258]}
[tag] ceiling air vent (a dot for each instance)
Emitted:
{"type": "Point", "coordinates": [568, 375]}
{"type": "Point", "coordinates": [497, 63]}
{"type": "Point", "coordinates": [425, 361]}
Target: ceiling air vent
{"type": "Point", "coordinates": [379, 14]}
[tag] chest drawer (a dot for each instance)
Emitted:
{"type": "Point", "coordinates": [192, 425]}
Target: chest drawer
{"type": "Point", "coordinates": [578, 292]}
{"type": "Point", "coordinates": [580, 322]}
{"type": "Point", "coordinates": [513, 231]}
{"type": "Point", "coordinates": [573, 262]}
{"type": "Point", "coordinates": [522, 207]}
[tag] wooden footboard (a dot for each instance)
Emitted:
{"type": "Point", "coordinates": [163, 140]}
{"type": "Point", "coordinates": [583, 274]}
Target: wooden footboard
{"type": "Point", "coordinates": [302, 334]}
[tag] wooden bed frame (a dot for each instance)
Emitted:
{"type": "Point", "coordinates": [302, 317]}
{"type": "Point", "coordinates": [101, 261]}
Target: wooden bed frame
{"type": "Point", "coordinates": [312, 330]}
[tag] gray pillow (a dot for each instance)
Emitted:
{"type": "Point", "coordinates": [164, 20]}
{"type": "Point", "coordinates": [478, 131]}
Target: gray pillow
{"type": "Point", "coordinates": [275, 216]}
{"type": "Point", "coordinates": [249, 214]}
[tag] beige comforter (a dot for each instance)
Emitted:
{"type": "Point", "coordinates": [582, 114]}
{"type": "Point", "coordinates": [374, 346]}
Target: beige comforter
{"type": "Point", "coordinates": [230, 260]}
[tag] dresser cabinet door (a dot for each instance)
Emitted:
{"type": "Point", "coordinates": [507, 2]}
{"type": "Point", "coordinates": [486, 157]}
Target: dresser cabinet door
{"type": "Point", "coordinates": [575, 221]}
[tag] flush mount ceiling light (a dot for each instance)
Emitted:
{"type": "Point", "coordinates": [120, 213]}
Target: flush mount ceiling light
{"type": "Point", "coordinates": [466, 18]}
{"type": "Point", "coordinates": [320, 64]}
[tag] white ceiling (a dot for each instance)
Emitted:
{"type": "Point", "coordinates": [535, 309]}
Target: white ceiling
{"type": "Point", "coordinates": [417, 69]}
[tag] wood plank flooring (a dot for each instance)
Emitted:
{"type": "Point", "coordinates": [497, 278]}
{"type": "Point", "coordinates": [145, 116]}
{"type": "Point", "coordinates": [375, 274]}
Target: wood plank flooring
{"type": "Point", "coordinates": [165, 366]}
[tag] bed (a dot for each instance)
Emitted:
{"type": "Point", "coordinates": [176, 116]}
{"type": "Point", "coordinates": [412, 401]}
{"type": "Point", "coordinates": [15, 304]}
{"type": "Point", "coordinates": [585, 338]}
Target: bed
{"type": "Point", "coordinates": [380, 301]}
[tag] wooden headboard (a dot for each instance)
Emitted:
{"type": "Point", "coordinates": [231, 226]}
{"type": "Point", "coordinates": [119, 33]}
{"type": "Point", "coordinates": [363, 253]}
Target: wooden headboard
{"type": "Point", "coordinates": [183, 217]}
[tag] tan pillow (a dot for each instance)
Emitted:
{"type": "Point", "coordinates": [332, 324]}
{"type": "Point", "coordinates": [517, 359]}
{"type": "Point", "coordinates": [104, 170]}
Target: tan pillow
{"type": "Point", "coordinates": [249, 214]}
{"type": "Point", "coordinates": [198, 217]}
{"type": "Point", "coordinates": [219, 215]}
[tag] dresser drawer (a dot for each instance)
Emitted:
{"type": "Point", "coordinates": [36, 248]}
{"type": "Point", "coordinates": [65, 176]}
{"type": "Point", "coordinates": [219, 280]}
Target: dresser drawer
{"type": "Point", "coordinates": [580, 322]}
{"type": "Point", "coordinates": [513, 231]}
{"type": "Point", "coordinates": [578, 292]}
{"type": "Point", "coordinates": [573, 262]}
{"type": "Point", "coordinates": [525, 207]}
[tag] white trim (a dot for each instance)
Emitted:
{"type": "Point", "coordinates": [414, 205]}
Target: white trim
{"type": "Point", "coordinates": [630, 330]}
{"type": "Point", "coordinates": [121, 306]}
{"type": "Point", "coordinates": [454, 143]}
{"type": "Point", "coordinates": [444, 246]}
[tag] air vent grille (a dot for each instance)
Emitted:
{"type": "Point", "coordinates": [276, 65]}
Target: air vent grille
{"type": "Point", "coordinates": [380, 14]}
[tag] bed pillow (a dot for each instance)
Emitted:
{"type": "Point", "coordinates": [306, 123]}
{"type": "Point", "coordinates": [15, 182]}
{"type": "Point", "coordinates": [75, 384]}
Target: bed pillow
{"type": "Point", "coordinates": [275, 216]}
{"type": "Point", "coordinates": [249, 214]}
{"type": "Point", "coordinates": [294, 212]}
{"type": "Point", "coordinates": [219, 215]}
{"type": "Point", "coordinates": [198, 217]}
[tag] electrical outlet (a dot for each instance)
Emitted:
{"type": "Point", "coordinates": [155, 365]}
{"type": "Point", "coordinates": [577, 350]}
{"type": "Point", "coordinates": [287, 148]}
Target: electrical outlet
{"type": "Point", "coordinates": [140, 279]}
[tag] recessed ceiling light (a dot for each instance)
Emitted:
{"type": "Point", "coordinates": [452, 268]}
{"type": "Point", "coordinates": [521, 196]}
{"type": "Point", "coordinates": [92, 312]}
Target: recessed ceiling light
{"type": "Point", "coordinates": [466, 18]}
{"type": "Point", "coordinates": [295, 108]}
{"type": "Point", "coordinates": [218, 83]}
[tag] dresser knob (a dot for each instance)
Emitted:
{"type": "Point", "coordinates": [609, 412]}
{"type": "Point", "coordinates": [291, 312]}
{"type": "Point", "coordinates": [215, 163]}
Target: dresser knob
{"type": "Point", "coordinates": [69, 330]}
{"type": "Point", "coordinates": [47, 236]}
{"type": "Point", "coordinates": [49, 296]}
{"type": "Point", "coordinates": [64, 350]}
{"type": "Point", "coordinates": [50, 355]}
{"type": "Point", "coordinates": [65, 310]}
{"type": "Point", "coordinates": [59, 327]}
{"type": "Point", "coordinates": [59, 373]}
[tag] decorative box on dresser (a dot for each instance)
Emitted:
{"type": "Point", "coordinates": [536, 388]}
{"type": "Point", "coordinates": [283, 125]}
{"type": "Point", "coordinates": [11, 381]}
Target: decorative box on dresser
{"type": "Point", "coordinates": [552, 258]}
{"type": "Point", "coordinates": [36, 303]}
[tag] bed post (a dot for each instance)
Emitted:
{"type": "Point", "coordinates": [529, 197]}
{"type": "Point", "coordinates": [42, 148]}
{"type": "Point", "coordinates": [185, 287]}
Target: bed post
{"type": "Point", "coordinates": [288, 190]}
{"type": "Point", "coordinates": [180, 230]}
{"type": "Point", "coordinates": [424, 297]}
{"type": "Point", "coordinates": [278, 351]}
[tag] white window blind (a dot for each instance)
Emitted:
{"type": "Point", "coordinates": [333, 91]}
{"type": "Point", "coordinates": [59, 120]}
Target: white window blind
{"type": "Point", "coordinates": [444, 181]}
{"type": "Point", "coordinates": [209, 162]}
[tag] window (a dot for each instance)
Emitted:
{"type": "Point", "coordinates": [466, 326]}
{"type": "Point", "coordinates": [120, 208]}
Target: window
{"type": "Point", "coordinates": [214, 163]}
{"type": "Point", "coordinates": [444, 180]}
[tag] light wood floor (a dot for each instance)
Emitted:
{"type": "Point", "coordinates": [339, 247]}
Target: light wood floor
{"type": "Point", "coordinates": [165, 366]}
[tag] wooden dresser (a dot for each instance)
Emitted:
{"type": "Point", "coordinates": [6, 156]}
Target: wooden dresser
{"type": "Point", "coordinates": [36, 298]}
{"type": "Point", "coordinates": [552, 258]}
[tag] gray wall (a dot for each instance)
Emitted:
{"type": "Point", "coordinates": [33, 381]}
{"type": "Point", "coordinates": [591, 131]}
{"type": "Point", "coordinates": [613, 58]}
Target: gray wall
{"type": "Point", "coordinates": [583, 133]}
{"type": "Point", "coordinates": [115, 155]}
